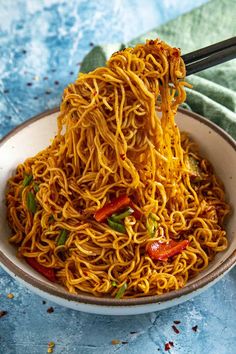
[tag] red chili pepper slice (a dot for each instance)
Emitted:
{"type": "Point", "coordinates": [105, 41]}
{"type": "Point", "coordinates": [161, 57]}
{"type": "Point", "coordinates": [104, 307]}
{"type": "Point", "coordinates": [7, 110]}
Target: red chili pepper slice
{"type": "Point", "coordinates": [162, 251]}
{"type": "Point", "coordinates": [112, 207]}
{"type": "Point", "coordinates": [48, 273]}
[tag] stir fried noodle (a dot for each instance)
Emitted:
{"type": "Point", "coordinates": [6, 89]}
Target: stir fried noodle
{"type": "Point", "coordinates": [120, 204]}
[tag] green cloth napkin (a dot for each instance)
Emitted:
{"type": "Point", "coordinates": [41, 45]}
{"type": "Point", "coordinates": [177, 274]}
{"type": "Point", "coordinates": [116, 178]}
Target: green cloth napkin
{"type": "Point", "coordinates": [214, 90]}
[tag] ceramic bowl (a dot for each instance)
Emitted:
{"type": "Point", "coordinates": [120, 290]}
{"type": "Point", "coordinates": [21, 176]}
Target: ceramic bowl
{"type": "Point", "coordinates": [35, 134]}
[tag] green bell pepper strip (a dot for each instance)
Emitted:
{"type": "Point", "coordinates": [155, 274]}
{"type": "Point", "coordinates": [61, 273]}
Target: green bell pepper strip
{"type": "Point", "coordinates": [116, 226]}
{"type": "Point", "coordinates": [124, 214]}
{"type": "Point", "coordinates": [31, 202]}
{"type": "Point", "coordinates": [62, 237]}
{"type": "Point", "coordinates": [27, 179]}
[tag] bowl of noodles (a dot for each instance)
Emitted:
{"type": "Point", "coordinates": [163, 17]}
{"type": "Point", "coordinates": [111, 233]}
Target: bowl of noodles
{"type": "Point", "coordinates": [119, 202]}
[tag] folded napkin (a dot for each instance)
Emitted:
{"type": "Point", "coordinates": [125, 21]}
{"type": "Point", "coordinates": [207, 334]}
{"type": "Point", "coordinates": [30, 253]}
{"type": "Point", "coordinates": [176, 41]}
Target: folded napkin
{"type": "Point", "coordinates": [214, 90]}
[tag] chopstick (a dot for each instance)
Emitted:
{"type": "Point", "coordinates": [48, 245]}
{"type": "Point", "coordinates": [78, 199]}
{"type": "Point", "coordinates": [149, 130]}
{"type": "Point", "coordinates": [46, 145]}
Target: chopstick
{"type": "Point", "coordinates": [212, 55]}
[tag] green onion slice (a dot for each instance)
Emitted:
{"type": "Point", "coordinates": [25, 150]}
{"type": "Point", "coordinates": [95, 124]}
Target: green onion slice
{"type": "Point", "coordinates": [121, 291]}
{"type": "Point", "coordinates": [151, 225]}
{"type": "Point", "coordinates": [116, 226]}
{"type": "Point", "coordinates": [51, 218]}
{"type": "Point", "coordinates": [124, 214]}
{"type": "Point", "coordinates": [62, 237]}
{"type": "Point", "coordinates": [36, 187]}
{"type": "Point", "coordinates": [27, 179]}
{"type": "Point", "coordinates": [113, 283]}
{"type": "Point", "coordinates": [31, 202]}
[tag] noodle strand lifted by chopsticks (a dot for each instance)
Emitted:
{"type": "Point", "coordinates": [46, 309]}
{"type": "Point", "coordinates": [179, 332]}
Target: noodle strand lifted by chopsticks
{"type": "Point", "coordinates": [110, 143]}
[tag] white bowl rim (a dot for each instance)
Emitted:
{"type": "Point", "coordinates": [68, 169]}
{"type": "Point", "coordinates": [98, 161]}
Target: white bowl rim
{"type": "Point", "coordinates": [222, 268]}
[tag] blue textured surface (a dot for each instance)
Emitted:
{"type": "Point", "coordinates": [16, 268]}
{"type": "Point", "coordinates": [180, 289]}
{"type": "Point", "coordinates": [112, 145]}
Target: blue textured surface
{"type": "Point", "coordinates": [41, 46]}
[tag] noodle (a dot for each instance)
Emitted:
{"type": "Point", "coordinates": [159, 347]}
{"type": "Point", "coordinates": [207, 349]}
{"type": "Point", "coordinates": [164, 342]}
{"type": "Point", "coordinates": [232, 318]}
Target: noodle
{"type": "Point", "coordinates": [110, 143]}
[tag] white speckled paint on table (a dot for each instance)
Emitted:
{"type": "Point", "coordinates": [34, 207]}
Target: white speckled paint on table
{"type": "Point", "coordinates": [41, 45]}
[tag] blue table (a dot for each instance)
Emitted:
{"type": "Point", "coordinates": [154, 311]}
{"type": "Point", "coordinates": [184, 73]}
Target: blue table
{"type": "Point", "coordinates": [41, 46]}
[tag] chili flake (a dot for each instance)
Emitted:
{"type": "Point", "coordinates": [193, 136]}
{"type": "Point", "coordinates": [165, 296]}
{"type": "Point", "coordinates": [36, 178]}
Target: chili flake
{"type": "Point", "coordinates": [176, 53]}
{"type": "Point", "coordinates": [167, 346]}
{"type": "Point", "coordinates": [175, 329]}
{"type": "Point", "coordinates": [50, 310]}
{"type": "Point", "coordinates": [3, 313]}
{"type": "Point", "coordinates": [194, 328]}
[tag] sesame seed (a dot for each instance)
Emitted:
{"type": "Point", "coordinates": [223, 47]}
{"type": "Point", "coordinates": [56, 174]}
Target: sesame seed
{"type": "Point", "coordinates": [51, 344]}
{"type": "Point", "coordinates": [115, 341]}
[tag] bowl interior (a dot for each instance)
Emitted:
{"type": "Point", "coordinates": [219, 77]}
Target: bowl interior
{"type": "Point", "coordinates": [35, 135]}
